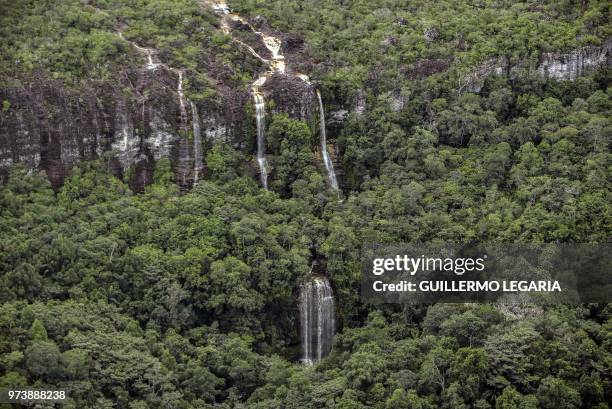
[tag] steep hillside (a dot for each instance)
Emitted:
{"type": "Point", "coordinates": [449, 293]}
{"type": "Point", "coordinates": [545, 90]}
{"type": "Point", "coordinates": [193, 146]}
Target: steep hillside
{"type": "Point", "coordinates": [187, 188]}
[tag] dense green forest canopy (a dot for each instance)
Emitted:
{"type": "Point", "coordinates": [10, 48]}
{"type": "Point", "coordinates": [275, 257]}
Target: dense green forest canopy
{"type": "Point", "coordinates": [164, 299]}
{"type": "Point", "coordinates": [386, 44]}
{"type": "Point", "coordinates": [78, 41]}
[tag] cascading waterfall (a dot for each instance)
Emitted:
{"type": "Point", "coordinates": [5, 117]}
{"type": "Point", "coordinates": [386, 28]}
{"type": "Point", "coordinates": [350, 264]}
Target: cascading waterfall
{"type": "Point", "coordinates": [197, 142]}
{"type": "Point", "coordinates": [276, 66]}
{"type": "Point", "coordinates": [181, 94]}
{"type": "Point", "coordinates": [183, 100]}
{"type": "Point", "coordinates": [150, 64]}
{"type": "Point", "coordinates": [274, 46]}
{"type": "Point", "coordinates": [220, 7]}
{"type": "Point", "coordinates": [329, 166]}
{"type": "Point", "coordinates": [317, 319]}
{"type": "Point", "coordinates": [260, 111]}
{"type": "Point", "coordinates": [316, 298]}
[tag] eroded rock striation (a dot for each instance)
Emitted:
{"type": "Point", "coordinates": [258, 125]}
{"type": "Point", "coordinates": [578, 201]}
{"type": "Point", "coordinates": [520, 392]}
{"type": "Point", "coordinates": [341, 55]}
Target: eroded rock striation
{"type": "Point", "coordinates": [560, 66]}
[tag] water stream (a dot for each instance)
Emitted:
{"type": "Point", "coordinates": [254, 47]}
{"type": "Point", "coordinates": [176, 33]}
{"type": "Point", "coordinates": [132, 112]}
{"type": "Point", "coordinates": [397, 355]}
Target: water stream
{"type": "Point", "coordinates": [197, 142]}
{"type": "Point", "coordinates": [329, 166]}
{"type": "Point", "coordinates": [260, 111]}
{"type": "Point", "coordinates": [182, 100]}
{"type": "Point", "coordinates": [317, 319]}
{"type": "Point", "coordinates": [181, 94]}
{"type": "Point", "coordinates": [316, 298]}
{"type": "Point", "coordinates": [276, 65]}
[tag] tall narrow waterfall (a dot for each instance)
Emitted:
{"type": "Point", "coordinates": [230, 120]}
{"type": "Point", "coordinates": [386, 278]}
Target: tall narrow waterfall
{"type": "Point", "coordinates": [260, 111]}
{"type": "Point", "coordinates": [197, 142]}
{"type": "Point", "coordinates": [329, 166]}
{"type": "Point", "coordinates": [181, 94]}
{"type": "Point", "coordinates": [317, 319]}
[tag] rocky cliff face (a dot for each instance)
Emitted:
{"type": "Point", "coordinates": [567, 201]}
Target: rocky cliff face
{"type": "Point", "coordinates": [139, 117]}
{"type": "Point", "coordinates": [575, 64]}
{"type": "Point", "coordinates": [560, 66]}
{"type": "Point", "coordinates": [142, 115]}
{"type": "Point", "coordinates": [291, 95]}
{"type": "Point", "coordinates": [52, 127]}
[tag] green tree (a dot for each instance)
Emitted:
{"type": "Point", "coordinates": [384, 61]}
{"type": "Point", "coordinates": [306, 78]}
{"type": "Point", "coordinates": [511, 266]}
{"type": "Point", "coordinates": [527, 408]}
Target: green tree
{"type": "Point", "coordinates": [38, 331]}
{"type": "Point", "coordinates": [512, 399]}
{"type": "Point", "coordinates": [554, 393]}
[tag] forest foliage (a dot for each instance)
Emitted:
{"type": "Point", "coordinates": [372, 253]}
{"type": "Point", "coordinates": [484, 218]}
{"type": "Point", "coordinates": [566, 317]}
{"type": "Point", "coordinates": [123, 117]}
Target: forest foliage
{"type": "Point", "coordinates": [164, 299]}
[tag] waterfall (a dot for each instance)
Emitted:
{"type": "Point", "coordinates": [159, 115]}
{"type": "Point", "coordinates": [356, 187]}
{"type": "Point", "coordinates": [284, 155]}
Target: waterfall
{"type": "Point", "coordinates": [260, 111]}
{"type": "Point", "coordinates": [317, 319]}
{"type": "Point", "coordinates": [197, 142]}
{"type": "Point", "coordinates": [181, 95]}
{"type": "Point", "coordinates": [273, 45]}
{"type": "Point", "coordinates": [184, 154]}
{"type": "Point", "coordinates": [276, 65]}
{"type": "Point", "coordinates": [329, 166]}
{"type": "Point", "coordinates": [220, 7]}
{"type": "Point", "coordinates": [151, 65]}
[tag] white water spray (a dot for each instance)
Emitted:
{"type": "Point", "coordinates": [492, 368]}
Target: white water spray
{"type": "Point", "coordinates": [150, 64]}
{"type": "Point", "coordinates": [317, 319]}
{"type": "Point", "coordinates": [260, 111]}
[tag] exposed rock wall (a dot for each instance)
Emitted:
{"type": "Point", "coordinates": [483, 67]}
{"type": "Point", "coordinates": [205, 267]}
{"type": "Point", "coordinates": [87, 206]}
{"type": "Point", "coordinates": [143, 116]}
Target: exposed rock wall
{"type": "Point", "coordinates": [575, 64]}
{"type": "Point", "coordinates": [560, 66]}
{"type": "Point", "coordinates": [291, 95]}
{"type": "Point", "coordinates": [142, 114]}
{"type": "Point", "coordinates": [131, 123]}
{"type": "Point", "coordinates": [52, 127]}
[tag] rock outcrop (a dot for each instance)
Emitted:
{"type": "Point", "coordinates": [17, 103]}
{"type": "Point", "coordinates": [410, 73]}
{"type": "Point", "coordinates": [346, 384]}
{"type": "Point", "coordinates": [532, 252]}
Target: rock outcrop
{"type": "Point", "coordinates": [560, 66]}
{"type": "Point", "coordinates": [575, 64]}
{"type": "Point", "coordinates": [52, 127]}
{"type": "Point", "coordinates": [291, 95]}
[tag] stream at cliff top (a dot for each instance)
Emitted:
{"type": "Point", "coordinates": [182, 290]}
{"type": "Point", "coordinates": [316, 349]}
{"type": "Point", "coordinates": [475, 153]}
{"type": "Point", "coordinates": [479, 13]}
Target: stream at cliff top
{"type": "Point", "coordinates": [276, 66]}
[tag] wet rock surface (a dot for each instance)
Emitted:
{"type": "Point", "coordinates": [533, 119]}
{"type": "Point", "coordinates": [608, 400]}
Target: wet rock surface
{"type": "Point", "coordinates": [141, 116]}
{"type": "Point", "coordinates": [136, 119]}
{"type": "Point", "coordinates": [560, 66]}
{"type": "Point", "coordinates": [291, 95]}
{"type": "Point", "coordinates": [52, 127]}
